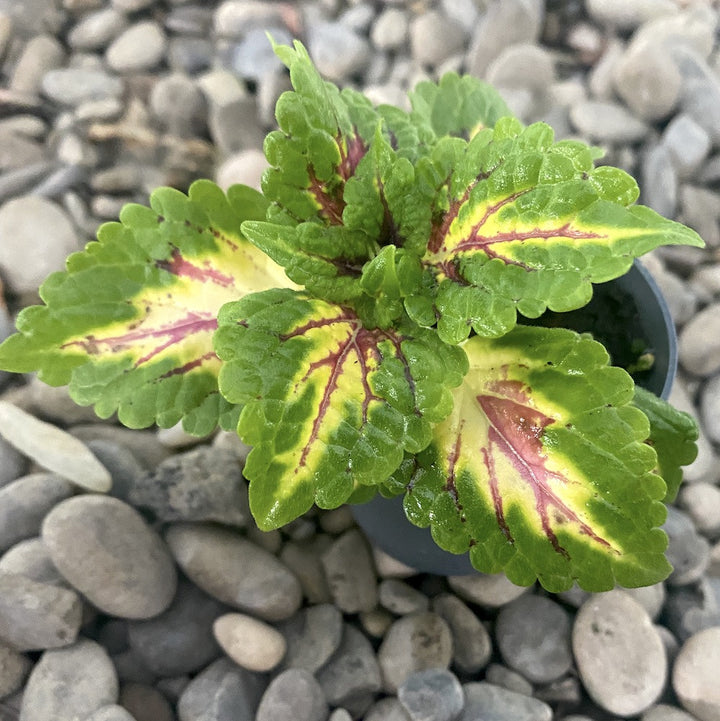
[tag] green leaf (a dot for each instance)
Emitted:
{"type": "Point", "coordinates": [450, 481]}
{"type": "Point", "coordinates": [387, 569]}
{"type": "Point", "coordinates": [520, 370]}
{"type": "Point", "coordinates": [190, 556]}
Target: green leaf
{"type": "Point", "coordinates": [541, 470]}
{"type": "Point", "coordinates": [672, 434]}
{"type": "Point", "coordinates": [328, 261]}
{"type": "Point", "coordinates": [528, 224]}
{"type": "Point", "coordinates": [329, 405]}
{"type": "Point", "coordinates": [323, 135]}
{"type": "Point", "coordinates": [129, 325]}
{"type": "Point", "coordinates": [457, 105]}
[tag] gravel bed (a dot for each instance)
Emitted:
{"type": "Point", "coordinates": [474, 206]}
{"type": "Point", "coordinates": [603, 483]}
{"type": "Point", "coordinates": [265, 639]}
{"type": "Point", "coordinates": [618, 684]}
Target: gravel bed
{"type": "Point", "coordinates": [133, 582]}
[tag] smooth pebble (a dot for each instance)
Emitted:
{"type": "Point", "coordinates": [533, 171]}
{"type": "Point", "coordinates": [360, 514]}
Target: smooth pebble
{"type": "Point", "coordinates": [251, 643]}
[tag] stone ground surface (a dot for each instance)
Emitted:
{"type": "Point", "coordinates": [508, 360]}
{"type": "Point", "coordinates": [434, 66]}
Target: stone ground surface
{"type": "Point", "coordinates": [159, 605]}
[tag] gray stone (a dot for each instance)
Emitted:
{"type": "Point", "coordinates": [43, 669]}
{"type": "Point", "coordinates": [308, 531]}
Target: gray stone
{"type": "Point", "coordinates": [694, 676]}
{"type": "Point", "coordinates": [70, 683]}
{"type": "Point", "coordinates": [246, 167]}
{"type": "Point", "coordinates": [350, 574]}
{"type": "Point", "coordinates": [312, 636]}
{"type": "Point", "coordinates": [699, 342]}
{"type": "Point", "coordinates": [180, 640]}
{"type": "Point", "coordinates": [142, 445]}
{"type": "Point", "coordinates": [131, 6]}
{"type": "Point", "coordinates": [145, 703]}
{"type": "Point", "coordinates": [432, 695]}
{"type": "Point", "coordinates": [293, 694]}
{"type": "Point", "coordinates": [25, 502]}
{"type": "Point", "coordinates": [52, 448]}
{"type": "Point", "coordinates": [140, 47]}
{"type": "Point", "coordinates": [304, 560]}
{"type": "Point", "coordinates": [523, 65]}
{"type": "Point", "coordinates": [663, 712]}
{"type": "Point", "coordinates": [607, 122]}
{"type": "Point", "coordinates": [97, 29]}
{"type": "Point", "coordinates": [178, 103]}
{"type": "Point", "coordinates": [254, 57]}
{"type": "Point", "coordinates": [60, 180]}
{"type": "Point", "coordinates": [681, 299]}
{"type": "Point", "coordinates": [651, 598]}
{"type": "Point", "coordinates": [104, 548]}
{"type": "Point", "coordinates": [416, 642]}
{"type": "Point", "coordinates": [31, 559]}
{"type": "Point", "coordinates": [14, 668]}
{"type": "Point", "coordinates": [533, 635]}
{"type": "Point", "coordinates": [700, 96]}
{"type": "Point", "coordinates": [472, 646]}
{"type": "Point", "coordinates": [190, 55]}
{"type": "Point", "coordinates": [22, 177]}
{"type": "Point", "coordinates": [701, 501]}
{"type": "Point", "coordinates": [234, 126]}
{"type": "Point", "coordinates": [189, 20]}
{"type": "Point", "coordinates": [130, 669]}
{"type": "Point", "coordinates": [112, 712]}
{"type": "Point", "coordinates": [700, 209]}
{"type": "Point", "coordinates": [693, 608]}
{"type": "Point", "coordinates": [387, 709]}
{"type": "Point", "coordinates": [234, 570]}
{"type": "Point", "coordinates": [35, 616]}
{"type": "Point", "coordinates": [358, 17]}
{"type": "Point", "coordinates": [352, 672]}
{"type": "Point", "coordinates": [390, 29]}
{"type": "Point", "coordinates": [500, 675]}
{"type": "Point", "coordinates": [40, 54]}
{"type": "Point", "coordinates": [648, 81]}
{"type": "Point", "coordinates": [627, 16]}
{"type": "Point", "coordinates": [486, 701]}
{"type": "Point", "coordinates": [434, 38]}
{"type": "Point", "coordinates": [204, 484]}
{"type": "Point", "coordinates": [340, 714]}
{"type": "Point", "coordinates": [12, 462]}
{"type": "Point", "coordinates": [24, 222]}
{"type": "Point", "coordinates": [252, 644]}
{"type": "Point", "coordinates": [401, 598]}
{"type": "Point", "coordinates": [233, 18]}
{"type": "Point", "coordinates": [121, 463]}
{"type": "Point", "coordinates": [504, 23]}
{"type": "Point", "coordinates": [337, 51]}
{"type": "Point", "coordinates": [619, 654]}
{"type": "Point", "coordinates": [688, 552]}
{"type": "Point", "coordinates": [491, 591]}
{"type": "Point", "coordinates": [222, 692]}
{"type": "Point", "coordinates": [73, 86]}
{"type": "Point", "coordinates": [120, 178]}
{"type": "Point", "coordinates": [688, 144]}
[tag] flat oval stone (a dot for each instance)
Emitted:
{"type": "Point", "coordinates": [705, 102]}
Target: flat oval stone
{"type": "Point", "coordinates": [70, 683]}
{"type": "Point", "coordinates": [487, 701]}
{"type": "Point", "coordinates": [25, 502]}
{"type": "Point", "coordinates": [251, 643]}
{"type": "Point", "coordinates": [14, 667]}
{"type": "Point", "coordinates": [491, 590]}
{"type": "Point", "coordinates": [695, 674]}
{"type": "Point", "coordinates": [180, 640]}
{"type": "Point", "coordinates": [234, 570]}
{"type": "Point", "coordinates": [619, 653]}
{"type": "Point", "coordinates": [533, 634]}
{"type": "Point", "coordinates": [104, 548]}
{"type": "Point", "coordinates": [293, 694]}
{"type": "Point", "coordinates": [53, 448]}
{"type": "Point", "coordinates": [415, 642]}
{"type": "Point", "coordinates": [35, 616]}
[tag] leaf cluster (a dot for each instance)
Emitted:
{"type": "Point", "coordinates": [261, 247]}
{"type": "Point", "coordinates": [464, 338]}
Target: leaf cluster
{"type": "Point", "coordinates": [357, 322]}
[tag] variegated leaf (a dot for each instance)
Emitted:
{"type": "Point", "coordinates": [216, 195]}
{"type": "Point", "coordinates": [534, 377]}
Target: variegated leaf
{"type": "Point", "coordinates": [129, 325]}
{"type": "Point", "coordinates": [529, 224]}
{"type": "Point", "coordinates": [541, 470]}
{"type": "Point", "coordinates": [329, 406]}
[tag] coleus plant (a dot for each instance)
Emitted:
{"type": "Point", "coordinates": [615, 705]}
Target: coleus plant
{"type": "Point", "coordinates": [357, 323]}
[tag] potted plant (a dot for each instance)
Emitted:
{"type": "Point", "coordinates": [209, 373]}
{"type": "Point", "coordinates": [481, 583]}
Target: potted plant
{"type": "Point", "coordinates": [357, 323]}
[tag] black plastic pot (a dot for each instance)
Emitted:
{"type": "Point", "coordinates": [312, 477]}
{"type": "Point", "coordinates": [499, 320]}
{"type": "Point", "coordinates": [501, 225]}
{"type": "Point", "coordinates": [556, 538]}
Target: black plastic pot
{"type": "Point", "coordinates": [636, 297]}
